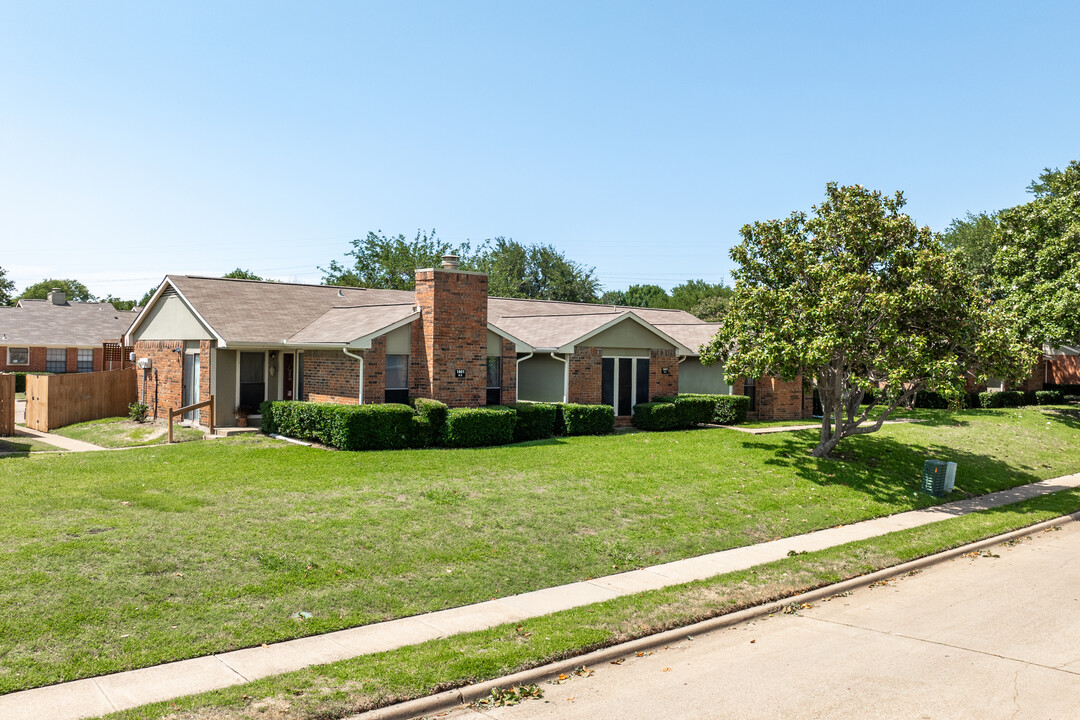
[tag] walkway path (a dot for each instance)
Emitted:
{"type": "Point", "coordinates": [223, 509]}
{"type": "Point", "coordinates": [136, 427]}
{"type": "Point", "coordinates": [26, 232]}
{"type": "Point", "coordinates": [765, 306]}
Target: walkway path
{"type": "Point", "coordinates": [58, 440]}
{"type": "Point", "coordinates": [792, 428]}
{"type": "Point", "coordinates": [109, 693]}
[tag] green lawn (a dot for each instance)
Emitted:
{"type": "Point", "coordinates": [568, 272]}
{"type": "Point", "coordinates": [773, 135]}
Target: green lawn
{"type": "Point", "coordinates": [122, 432]}
{"type": "Point", "coordinates": [21, 444]}
{"type": "Point", "coordinates": [110, 561]}
{"type": "Point", "coordinates": [341, 689]}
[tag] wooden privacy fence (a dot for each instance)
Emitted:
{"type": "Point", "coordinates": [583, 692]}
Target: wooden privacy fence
{"type": "Point", "coordinates": [54, 401]}
{"type": "Point", "coordinates": [181, 412]}
{"type": "Point", "coordinates": [7, 404]}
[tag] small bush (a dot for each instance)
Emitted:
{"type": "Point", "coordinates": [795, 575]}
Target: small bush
{"type": "Point", "coordinates": [1049, 397]}
{"type": "Point", "coordinates": [478, 427]}
{"type": "Point", "coordinates": [429, 424]}
{"type": "Point", "coordinates": [930, 400]}
{"type": "Point", "coordinates": [656, 416]}
{"type": "Point", "coordinates": [1011, 398]}
{"type": "Point", "coordinates": [989, 399]}
{"type": "Point", "coordinates": [588, 419]}
{"type": "Point", "coordinates": [266, 412]}
{"type": "Point", "coordinates": [138, 411]}
{"type": "Point", "coordinates": [534, 421]}
{"type": "Point", "coordinates": [731, 409]}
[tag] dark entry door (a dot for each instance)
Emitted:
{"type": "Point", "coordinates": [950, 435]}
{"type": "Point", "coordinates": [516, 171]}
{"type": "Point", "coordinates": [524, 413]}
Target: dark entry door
{"type": "Point", "coordinates": [626, 386]}
{"type": "Point", "coordinates": [189, 385]}
{"type": "Point", "coordinates": [287, 374]}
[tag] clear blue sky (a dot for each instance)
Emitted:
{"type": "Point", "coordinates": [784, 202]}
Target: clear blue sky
{"type": "Point", "coordinates": [145, 138]}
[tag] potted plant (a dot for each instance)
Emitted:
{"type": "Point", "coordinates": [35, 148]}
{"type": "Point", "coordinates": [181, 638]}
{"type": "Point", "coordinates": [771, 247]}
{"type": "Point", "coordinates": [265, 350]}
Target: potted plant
{"type": "Point", "coordinates": [241, 414]}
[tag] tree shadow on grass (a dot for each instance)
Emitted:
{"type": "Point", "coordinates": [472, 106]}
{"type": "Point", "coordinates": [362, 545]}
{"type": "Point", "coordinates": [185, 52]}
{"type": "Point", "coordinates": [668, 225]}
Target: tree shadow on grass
{"type": "Point", "coordinates": [886, 470]}
{"type": "Point", "coordinates": [1069, 417]}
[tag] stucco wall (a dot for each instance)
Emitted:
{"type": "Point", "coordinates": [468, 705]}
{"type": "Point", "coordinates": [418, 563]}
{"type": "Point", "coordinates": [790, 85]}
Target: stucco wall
{"type": "Point", "coordinates": [540, 379]}
{"type": "Point", "coordinates": [697, 378]}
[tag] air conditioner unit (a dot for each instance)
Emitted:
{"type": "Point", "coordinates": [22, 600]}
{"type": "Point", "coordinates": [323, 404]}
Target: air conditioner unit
{"type": "Point", "coordinates": [143, 363]}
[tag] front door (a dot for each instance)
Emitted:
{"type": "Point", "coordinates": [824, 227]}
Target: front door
{"type": "Point", "coordinates": [190, 385]}
{"type": "Point", "coordinates": [287, 374]}
{"type": "Point", "coordinates": [624, 383]}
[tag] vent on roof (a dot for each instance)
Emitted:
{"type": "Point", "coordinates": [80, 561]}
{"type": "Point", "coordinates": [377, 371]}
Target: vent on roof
{"type": "Point", "coordinates": [340, 293]}
{"type": "Point", "coordinates": [451, 262]}
{"type": "Point", "coordinates": [56, 296]}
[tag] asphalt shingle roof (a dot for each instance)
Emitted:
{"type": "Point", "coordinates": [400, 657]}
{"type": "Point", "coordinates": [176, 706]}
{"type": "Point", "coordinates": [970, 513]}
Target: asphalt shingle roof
{"type": "Point", "coordinates": [38, 323]}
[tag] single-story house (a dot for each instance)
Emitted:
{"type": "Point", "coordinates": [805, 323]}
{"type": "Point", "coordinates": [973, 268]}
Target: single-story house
{"type": "Point", "coordinates": [57, 336]}
{"type": "Point", "coordinates": [248, 341]}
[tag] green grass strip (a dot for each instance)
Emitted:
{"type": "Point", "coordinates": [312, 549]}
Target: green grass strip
{"type": "Point", "coordinates": [340, 689]}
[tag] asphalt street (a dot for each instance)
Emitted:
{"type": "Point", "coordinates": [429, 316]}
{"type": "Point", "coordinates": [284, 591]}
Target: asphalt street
{"type": "Point", "coordinates": [992, 635]}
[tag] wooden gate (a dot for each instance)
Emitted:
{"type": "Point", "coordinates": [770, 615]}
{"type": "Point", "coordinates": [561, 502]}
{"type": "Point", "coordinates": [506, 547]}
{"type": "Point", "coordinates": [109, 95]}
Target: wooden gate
{"type": "Point", "coordinates": [7, 404]}
{"type": "Point", "coordinates": [54, 401]}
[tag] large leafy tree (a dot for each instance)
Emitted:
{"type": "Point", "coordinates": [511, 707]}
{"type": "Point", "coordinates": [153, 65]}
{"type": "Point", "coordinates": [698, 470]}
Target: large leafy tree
{"type": "Point", "coordinates": [380, 261]}
{"type": "Point", "coordinates": [856, 298]}
{"type": "Point", "coordinates": [537, 271]}
{"type": "Point", "coordinates": [7, 287]}
{"type": "Point", "coordinates": [241, 274]}
{"type": "Point", "coordinates": [643, 296]}
{"type": "Point", "coordinates": [74, 290]}
{"type": "Point", "coordinates": [1037, 265]}
{"type": "Point", "coordinates": [975, 237]}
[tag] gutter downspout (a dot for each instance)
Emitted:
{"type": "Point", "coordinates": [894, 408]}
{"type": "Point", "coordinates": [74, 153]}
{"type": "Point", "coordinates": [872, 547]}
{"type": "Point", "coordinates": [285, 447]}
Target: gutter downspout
{"type": "Point", "coordinates": [566, 377]}
{"type": "Point", "coordinates": [517, 376]}
{"type": "Point", "coordinates": [360, 391]}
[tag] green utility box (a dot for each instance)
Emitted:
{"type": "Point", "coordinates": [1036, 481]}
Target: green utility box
{"type": "Point", "coordinates": [938, 477]}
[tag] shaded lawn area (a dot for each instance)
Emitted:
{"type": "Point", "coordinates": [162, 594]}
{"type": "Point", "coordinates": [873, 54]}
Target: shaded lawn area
{"type": "Point", "coordinates": [122, 432]}
{"type": "Point", "coordinates": [22, 444]}
{"type": "Point", "coordinates": [110, 561]}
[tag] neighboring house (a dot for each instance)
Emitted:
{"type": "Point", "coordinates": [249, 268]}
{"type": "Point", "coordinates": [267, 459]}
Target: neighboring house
{"type": "Point", "coordinates": [248, 341]}
{"type": "Point", "coordinates": [1062, 365]}
{"type": "Point", "coordinates": [57, 336]}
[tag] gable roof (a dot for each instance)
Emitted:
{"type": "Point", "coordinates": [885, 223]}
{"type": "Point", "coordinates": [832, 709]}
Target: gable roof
{"type": "Point", "coordinates": [36, 323]}
{"type": "Point", "coordinates": [255, 311]}
{"type": "Point", "coordinates": [242, 312]}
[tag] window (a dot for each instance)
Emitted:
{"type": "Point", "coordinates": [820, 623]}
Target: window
{"type": "Point", "coordinates": [86, 360]}
{"type": "Point", "coordinates": [397, 379]}
{"type": "Point", "coordinates": [494, 380]}
{"type": "Point", "coordinates": [18, 356]}
{"type": "Point", "coordinates": [750, 391]}
{"type": "Point", "coordinates": [56, 360]}
{"type": "Point", "coordinates": [252, 380]}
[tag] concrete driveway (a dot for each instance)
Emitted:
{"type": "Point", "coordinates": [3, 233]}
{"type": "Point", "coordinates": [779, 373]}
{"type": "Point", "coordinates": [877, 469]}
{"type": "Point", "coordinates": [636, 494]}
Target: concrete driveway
{"type": "Point", "coordinates": [974, 637]}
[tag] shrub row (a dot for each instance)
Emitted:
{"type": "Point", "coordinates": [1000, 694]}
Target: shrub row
{"type": "Point", "coordinates": [429, 423]}
{"type": "Point", "coordinates": [687, 410]}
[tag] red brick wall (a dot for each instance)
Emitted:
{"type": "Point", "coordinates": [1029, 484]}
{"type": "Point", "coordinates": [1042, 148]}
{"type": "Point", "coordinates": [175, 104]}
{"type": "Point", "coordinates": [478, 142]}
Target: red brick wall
{"type": "Point", "coordinates": [451, 335]}
{"type": "Point", "coordinates": [37, 360]}
{"type": "Point", "coordinates": [1034, 381]}
{"type": "Point", "coordinates": [161, 386]}
{"type": "Point", "coordinates": [331, 376]}
{"type": "Point", "coordinates": [659, 383]}
{"type": "Point", "coordinates": [375, 372]}
{"type": "Point", "coordinates": [1064, 370]}
{"type": "Point", "coordinates": [72, 360]}
{"type": "Point", "coordinates": [204, 381]}
{"type": "Point", "coordinates": [509, 372]}
{"type": "Point", "coordinates": [586, 376]}
{"type": "Point", "coordinates": [778, 400]}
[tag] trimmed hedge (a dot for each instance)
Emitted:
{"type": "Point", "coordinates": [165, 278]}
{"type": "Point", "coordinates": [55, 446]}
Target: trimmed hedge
{"type": "Point", "coordinates": [656, 416]}
{"type": "Point", "coordinates": [930, 400]}
{"type": "Point", "coordinates": [1005, 398]}
{"type": "Point", "coordinates": [1049, 397]}
{"type": "Point", "coordinates": [347, 427]}
{"type": "Point", "coordinates": [535, 421]}
{"type": "Point", "coordinates": [476, 427]}
{"type": "Point", "coordinates": [429, 423]}
{"type": "Point", "coordinates": [731, 409]}
{"type": "Point", "coordinates": [587, 419]}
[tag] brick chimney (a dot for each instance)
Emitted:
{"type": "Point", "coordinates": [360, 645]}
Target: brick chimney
{"type": "Point", "coordinates": [449, 341]}
{"type": "Point", "coordinates": [56, 296]}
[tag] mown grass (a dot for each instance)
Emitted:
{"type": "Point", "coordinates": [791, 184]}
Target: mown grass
{"type": "Point", "coordinates": [341, 689]}
{"type": "Point", "coordinates": [111, 561]}
{"type": "Point", "coordinates": [121, 432]}
{"type": "Point", "coordinates": [22, 444]}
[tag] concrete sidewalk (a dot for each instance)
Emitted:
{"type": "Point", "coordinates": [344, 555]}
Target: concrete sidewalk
{"type": "Point", "coordinates": [58, 441]}
{"type": "Point", "coordinates": [793, 428]}
{"type": "Point", "coordinates": [989, 634]}
{"type": "Point", "coordinates": [101, 695]}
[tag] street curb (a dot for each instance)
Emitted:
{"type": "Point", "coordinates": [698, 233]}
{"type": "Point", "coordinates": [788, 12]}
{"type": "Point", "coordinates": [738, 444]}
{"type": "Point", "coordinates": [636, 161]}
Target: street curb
{"type": "Point", "coordinates": [449, 699]}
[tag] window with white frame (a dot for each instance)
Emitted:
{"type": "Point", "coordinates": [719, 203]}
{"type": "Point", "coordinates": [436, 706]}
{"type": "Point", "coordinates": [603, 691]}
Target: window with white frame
{"type": "Point", "coordinates": [397, 379]}
{"type": "Point", "coordinates": [86, 360]}
{"type": "Point", "coordinates": [18, 356]}
{"type": "Point", "coordinates": [56, 360]}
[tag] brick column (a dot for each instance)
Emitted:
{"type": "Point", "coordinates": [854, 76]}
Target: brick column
{"type": "Point", "coordinates": [449, 352]}
{"type": "Point", "coordinates": [586, 376]}
{"type": "Point", "coordinates": [509, 372]}
{"type": "Point", "coordinates": [659, 383]}
{"type": "Point", "coordinates": [375, 371]}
